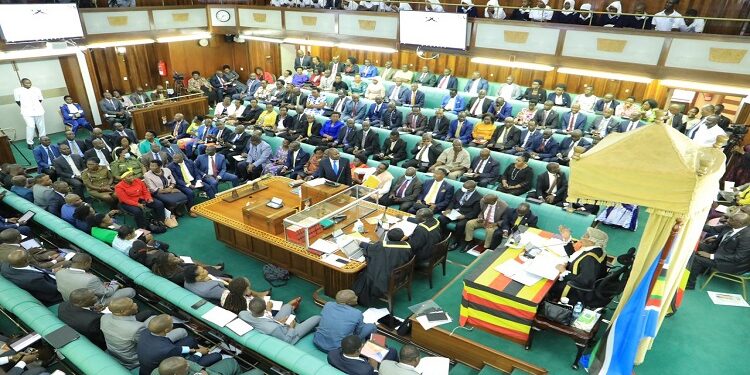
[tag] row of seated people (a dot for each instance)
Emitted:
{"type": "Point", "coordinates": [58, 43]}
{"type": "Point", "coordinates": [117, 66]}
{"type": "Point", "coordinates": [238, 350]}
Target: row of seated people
{"type": "Point", "coordinates": [106, 313]}
{"type": "Point", "coordinates": [530, 10]}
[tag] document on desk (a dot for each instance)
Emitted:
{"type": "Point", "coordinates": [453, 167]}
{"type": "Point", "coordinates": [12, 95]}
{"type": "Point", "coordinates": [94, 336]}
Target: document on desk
{"type": "Point", "coordinates": [453, 214]}
{"type": "Point", "coordinates": [434, 366]}
{"type": "Point", "coordinates": [372, 314]}
{"type": "Point", "coordinates": [517, 272]}
{"type": "Point", "coordinates": [239, 327]}
{"type": "Point", "coordinates": [316, 182]}
{"type": "Point", "coordinates": [324, 246]}
{"type": "Point", "coordinates": [406, 226]}
{"type": "Point", "coordinates": [334, 260]}
{"type": "Point", "coordinates": [427, 323]}
{"type": "Point", "coordinates": [359, 237]}
{"type": "Point", "coordinates": [545, 265]}
{"type": "Point", "coordinates": [219, 316]}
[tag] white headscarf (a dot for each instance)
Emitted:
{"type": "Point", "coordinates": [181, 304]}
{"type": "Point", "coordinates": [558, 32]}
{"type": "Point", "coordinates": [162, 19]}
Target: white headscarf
{"type": "Point", "coordinates": [499, 12]}
{"type": "Point", "coordinates": [585, 9]}
{"type": "Point", "coordinates": [541, 14]}
{"type": "Point", "coordinates": [469, 3]}
{"type": "Point", "coordinates": [435, 6]}
{"type": "Point", "coordinates": [617, 5]}
{"type": "Point", "coordinates": [572, 7]}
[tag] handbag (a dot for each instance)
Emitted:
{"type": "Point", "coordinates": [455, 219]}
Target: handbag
{"type": "Point", "coordinates": [557, 312]}
{"type": "Point", "coordinates": [276, 276]}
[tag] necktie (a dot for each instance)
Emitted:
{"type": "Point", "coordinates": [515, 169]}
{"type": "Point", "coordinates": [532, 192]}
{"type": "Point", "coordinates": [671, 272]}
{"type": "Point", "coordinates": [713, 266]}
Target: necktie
{"type": "Point", "coordinates": [632, 124]}
{"type": "Point", "coordinates": [170, 151]}
{"type": "Point", "coordinates": [414, 121]}
{"type": "Point", "coordinates": [213, 167]}
{"type": "Point", "coordinates": [74, 147]}
{"type": "Point", "coordinates": [501, 139]}
{"type": "Point", "coordinates": [544, 144]}
{"type": "Point", "coordinates": [475, 106]}
{"type": "Point", "coordinates": [102, 158]}
{"type": "Point", "coordinates": [339, 105]}
{"type": "Point", "coordinates": [526, 139]}
{"type": "Point", "coordinates": [174, 132]}
{"type": "Point", "coordinates": [364, 138]}
{"type": "Point", "coordinates": [458, 129]}
{"type": "Point", "coordinates": [76, 171]}
{"type": "Point", "coordinates": [546, 114]}
{"type": "Point", "coordinates": [464, 198]}
{"type": "Point", "coordinates": [185, 174]}
{"type": "Point", "coordinates": [572, 122]}
{"type": "Point", "coordinates": [432, 194]}
{"type": "Point", "coordinates": [354, 110]}
{"type": "Point", "coordinates": [444, 82]}
{"type": "Point", "coordinates": [394, 93]}
{"type": "Point", "coordinates": [335, 166]}
{"type": "Point", "coordinates": [402, 189]}
{"type": "Point", "coordinates": [122, 134]}
{"type": "Point", "coordinates": [346, 136]}
{"type": "Point", "coordinates": [552, 183]}
{"type": "Point", "coordinates": [156, 156]}
{"type": "Point", "coordinates": [50, 155]}
{"type": "Point", "coordinates": [421, 79]}
{"type": "Point", "coordinates": [488, 214]}
{"type": "Point", "coordinates": [480, 166]}
{"type": "Point", "coordinates": [235, 138]}
{"type": "Point", "coordinates": [413, 98]}
{"type": "Point", "coordinates": [421, 152]}
{"type": "Point", "coordinates": [218, 135]}
{"type": "Point", "coordinates": [377, 109]}
{"type": "Point", "coordinates": [309, 129]}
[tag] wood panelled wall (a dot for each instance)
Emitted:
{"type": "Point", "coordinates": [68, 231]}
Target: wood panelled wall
{"type": "Point", "coordinates": [74, 81]}
{"type": "Point", "coordinates": [463, 67]}
{"type": "Point", "coordinates": [111, 70]}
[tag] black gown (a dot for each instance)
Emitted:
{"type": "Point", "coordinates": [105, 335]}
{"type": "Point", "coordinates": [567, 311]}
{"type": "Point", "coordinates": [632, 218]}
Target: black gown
{"type": "Point", "coordinates": [423, 240]}
{"type": "Point", "coordinates": [382, 257]}
{"type": "Point", "coordinates": [584, 271]}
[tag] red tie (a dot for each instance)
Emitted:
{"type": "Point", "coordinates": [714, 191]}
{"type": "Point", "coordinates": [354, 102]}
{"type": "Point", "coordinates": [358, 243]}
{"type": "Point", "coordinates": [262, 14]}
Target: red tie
{"type": "Point", "coordinates": [354, 109]}
{"type": "Point", "coordinates": [443, 82]}
{"type": "Point", "coordinates": [572, 122]}
{"type": "Point", "coordinates": [213, 167]}
{"type": "Point", "coordinates": [402, 189]}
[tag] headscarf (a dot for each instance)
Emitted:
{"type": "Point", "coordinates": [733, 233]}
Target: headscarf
{"type": "Point", "coordinates": [470, 4]}
{"type": "Point", "coordinates": [435, 6]}
{"type": "Point", "coordinates": [572, 7]}
{"type": "Point", "coordinates": [598, 237]}
{"type": "Point", "coordinates": [617, 5]}
{"type": "Point", "coordinates": [585, 12]}
{"type": "Point", "coordinates": [499, 12]}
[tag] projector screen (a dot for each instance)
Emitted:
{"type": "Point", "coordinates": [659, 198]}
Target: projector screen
{"type": "Point", "coordinates": [30, 22]}
{"type": "Point", "coordinates": [437, 30]}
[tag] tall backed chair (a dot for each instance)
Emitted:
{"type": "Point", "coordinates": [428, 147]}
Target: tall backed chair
{"type": "Point", "coordinates": [401, 277]}
{"type": "Point", "coordinates": [439, 256]}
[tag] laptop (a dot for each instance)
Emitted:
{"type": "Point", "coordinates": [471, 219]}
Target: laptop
{"type": "Point", "coordinates": [349, 245]}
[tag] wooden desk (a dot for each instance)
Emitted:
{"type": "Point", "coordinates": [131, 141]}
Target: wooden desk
{"type": "Point", "coordinates": [149, 118]}
{"type": "Point", "coordinates": [232, 228]}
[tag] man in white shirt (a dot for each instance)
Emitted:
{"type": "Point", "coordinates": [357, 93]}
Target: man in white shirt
{"type": "Point", "coordinates": [30, 100]}
{"type": "Point", "coordinates": [509, 90]}
{"type": "Point", "coordinates": [668, 19]}
{"type": "Point", "coordinates": [588, 100]}
{"type": "Point", "coordinates": [705, 134]}
{"type": "Point", "coordinates": [692, 25]}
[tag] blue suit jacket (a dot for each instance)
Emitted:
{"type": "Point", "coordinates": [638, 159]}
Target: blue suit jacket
{"type": "Point", "coordinates": [550, 150]}
{"type": "Point", "coordinates": [458, 107]}
{"type": "Point", "coordinates": [580, 121]}
{"type": "Point", "coordinates": [202, 129]}
{"type": "Point", "coordinates": [177, 173]}
{"type": "Point", "coordinates": [181, 128]}
{"type": "Point", "coordinates": [483, 85]}
{"type": "Point", "coordinates": [452, 82]}
{"type": "Point", "coordinates": [565, 145]}
{"type": "Point", "coordinates": [443, 198]}
{"type": "Point", "coordinates": [401, 95]}
{"type": "Point", "coordinates": [299, 165]}
{"type": "Point", "coordinates": [368, 71]}
{"type": "Point", "coordinates": [331, 129]}
{"type": "Point", "coordinates": [623, 126]}
{"type": "Point", "coordinates": [40, 155]}
{"type": "Point", "coordinates": [533, 142]}
{"type": "Point", "coordinates": [338, 321]}
{"type": "Point", "coordinates": [67, 117]}
{"type": "Point", "coordinates": [252, 87]}
{"type": "Point", "coordinates": [566, 99]}
{"type": "Point", "coordinates": [361, 111]}
{"type": "Point", "coordinates": [376, 115]}
{"type": "Point", "coordinates": [464, 135]}
{"type": "Point", "coordinates": [420, 99]}
{"type": "Point", "coordinates": [349, 366]}
{"type": "Point", "coordinates": [201, 164]}
{"type": "Point", "coordinates": [501, 113]}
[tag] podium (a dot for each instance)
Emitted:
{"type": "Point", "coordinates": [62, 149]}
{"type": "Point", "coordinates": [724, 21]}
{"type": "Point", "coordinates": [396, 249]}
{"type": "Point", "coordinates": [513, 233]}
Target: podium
{"type": "Point", "coordinates": [317, 194]}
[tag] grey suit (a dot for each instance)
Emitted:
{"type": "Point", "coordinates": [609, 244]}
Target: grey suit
{"type": "Point", "coordinates": [146, 158]}
{"type": "Point", "coordinates": [70, 279]}
{"type": "Point", "coordinates": [410, 194]}
{"type": "Point", "coordinates": [270, 326]}
{"type": "Point", "coordinates": [388, 367]}
{"type": "Point", "coordinates": [121, 334]}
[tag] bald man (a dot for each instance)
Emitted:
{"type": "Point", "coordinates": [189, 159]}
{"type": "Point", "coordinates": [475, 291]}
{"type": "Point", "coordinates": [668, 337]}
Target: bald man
{"type": "Point", "coordinates": [39, 283]}
{"type": "Point", "coordinates": [154, 346]}
{"type": "Point", "coordinates": [339, 319]}
{"type": "Point", "coordinates": [728, 252]}
{"type": "Point", "coordinates": [181, 366]}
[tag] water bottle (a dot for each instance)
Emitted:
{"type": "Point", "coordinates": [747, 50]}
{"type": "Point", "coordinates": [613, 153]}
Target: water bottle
{"type": "Point", "coordinates": [577, 310]}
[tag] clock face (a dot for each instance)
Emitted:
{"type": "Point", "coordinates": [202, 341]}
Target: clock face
{"type": "Point", "coordinates": [223, 16]}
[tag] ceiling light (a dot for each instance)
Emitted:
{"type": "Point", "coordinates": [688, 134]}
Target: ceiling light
{"type": "Point", "coordinates": [37, 52]}
{"type": "Point", "coordinates": [262, 39]}
{"type": "Point", "coordinates": [605, 75]}
{"type": "Point", "coordinates": [183, 38]}
{"type": "Point", "coordinates": [705, 87]}
{"type": "Point", "coordinates": [511, 64]}
{"type": "Point", "coordinates": [131, 42]}
{"type": "Point", "coordinates": [364, 47]}
{"type": "Point", "coordinates": [260, 32]}
{"type": "Point", "coordinates": [309, 42]}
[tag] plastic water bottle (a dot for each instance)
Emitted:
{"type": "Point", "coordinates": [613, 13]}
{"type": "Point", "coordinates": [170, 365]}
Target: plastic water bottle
{"type": "Point", "coordinates": [577, 310]}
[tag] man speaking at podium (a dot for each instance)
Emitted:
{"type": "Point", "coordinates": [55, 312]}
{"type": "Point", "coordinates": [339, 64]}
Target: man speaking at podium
{"type": "Point", "coordinates": [334, 168]}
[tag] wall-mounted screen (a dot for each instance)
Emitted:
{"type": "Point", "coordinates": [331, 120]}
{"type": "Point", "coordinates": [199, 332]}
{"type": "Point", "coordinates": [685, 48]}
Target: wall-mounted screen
{"type": "Point", "coordinates": [435, 30]}
{"type": "Point", "coordinates": [31, 22]}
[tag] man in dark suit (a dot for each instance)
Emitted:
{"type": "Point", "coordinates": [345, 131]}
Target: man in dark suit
{"type": "Point", "coordinates": [179, 126]}
{"type": "Point", "coordinates": [44, 155]}
{"type": "Point", "coordinates": [460, 129]}
{"type": "Point", "coordinates": [396, 94]}
{"type": "Point", "coordinates": [394, 149]}
{"type": "Point", "coordinates": [547, 117]}
{"type": "Point", "coordinates": [97, 133]}
{"type": "Point", "coordinates": [728, 252]}
{"type": "Point", "coordinates": [340, 102]}
{"type": "Point", "coordinates": [546, 148]}
{"type": "Point", "coordinates": [392, 118]}
{"type": "Point", "coordinates": [113, 110]}
{"type": "Point", "coordinates": [82, 314]}
{"type": "Point", "coordinates": [675, 118]}
{"type": "Point", "coordinates": [76, 146]}
{"type": "Point", "coordinates": [415, 122]}
{"type": "Point", "coordinates": [466, 204]}
{"type": "Point", "coordinates": [506, 137]}
{"type": "Point", "coordinates": [56, 198]}
{"type": "Point", "coordinates": [139, 98]}
{"type": "Point", "coordinates": [484, 169]}
{"type": "Point", "coordinates": [293, 98]}
{"type": "Point", "coordinates": [551, 187]}
{"type": "Point", "coordinates": [188, 177]}
{"type": "Point", "coordinates": [214, 167]}
{"type": "Point", "coordinates": [724, 121]}
{"type": "Point", "coordinates": [501, 109]}
{"type": "Point", "coordinates": [308, 130]}
{"type": "Point", "coordinates": [155, 154]}
{"type": "Point", "coordinates": [39, 283]}
{"type": "Point", "coordinates": [447, 81]}
{"type": "Point", "coordinates": [347, 138]}
{"type": "Point", "coordinates": [302, 60]}
{"type": "Point", "coordinates": [414, 97]}
{"type": "Point", "coordinates": [68, 168]}
{"type": "Point", "coordinates": [235, 143]}
{"type": "Point", "coordinates": [425, 77]}
{"type": "Point", "coordinates": [425, 153]}
{"type": "Point", "coordinates": [295, 161]}
{"type": "Point", "coordinates": [375, 113]}
{"type": "Point", "coordinates": [436, 193]}
{"type": "Point", "coordinates": [100, 152]}
{"type": "Point", "coordinates": [573, 120]}
{"type": "Point", "coordinates": [335, 66]}
{"type": "Point", "coordinates": [479, 105]}
{"type": "Point", "coordinates": [608, 101]}
{"type": "Point", "coordinates": [559, 97]}
{"type": "Point", "coordinates": [438, 125]}
{"type": "Point", "coordinates": [491, 211]}
{"type": "Point", "coordinates": [347, 358]}
{"type": "Point", "coordinates": [120, 131]}
{"type": "Point", "coordinates": [154, 346]}
{"type": "Point", "coordinates": [521, 216]}
{"type": "Point", "coordinates": [222, 85]}
{"type": "Point", "coordinates": [404, 191]}
{"type": "Point", "coordinates": [568, 145]}
{"type": "Point", "coordinates": [334, 168]}
{"type": "Point", "coordinates": [368, 141]}
{"type": "Point", "coordinates": [631, 124]}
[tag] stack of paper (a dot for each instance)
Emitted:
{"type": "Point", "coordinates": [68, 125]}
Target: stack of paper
{"type": "Point", "coordinates": [239, 327]}
{"type": "Point", "coordinates": [372, 314]}
{"type": "Point", "coordinates": [219, 316]}
{"type": "Point", "coordinates": [453, 214]}
{"type": "Point", "coordinates": [276, 305]}
{"type": "Point", "coordinates": [517, 272]}
{"type": "Point", "coordinates": [545, 265]}
{"type": "Point", "coordinates": [334, 260]}
{"type": "Point", "coordinates": [186, 259]}
{"type": "Point", "coordinates": [324, 246]}
{"type": "Point", "coordinates": [433, 319]}
{"type": "Point", "coordinates": [316, 182]}
{"type": "Point", "coordinates": [434, 366]}
{"type": "Point", "coordinates": [406, 226]}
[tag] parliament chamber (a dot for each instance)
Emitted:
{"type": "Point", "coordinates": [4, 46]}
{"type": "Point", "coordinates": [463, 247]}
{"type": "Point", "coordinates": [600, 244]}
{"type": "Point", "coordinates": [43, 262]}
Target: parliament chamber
{"type": "Point", "coordinates": [344, 187]}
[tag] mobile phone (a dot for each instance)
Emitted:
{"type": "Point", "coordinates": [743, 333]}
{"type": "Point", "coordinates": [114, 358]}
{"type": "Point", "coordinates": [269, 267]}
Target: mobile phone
{"type": "Point", "coordinates": [198, 304]}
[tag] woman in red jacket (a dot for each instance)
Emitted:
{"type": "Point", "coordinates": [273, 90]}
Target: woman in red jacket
{"type": "Point", "coordinates": [134, 197]}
